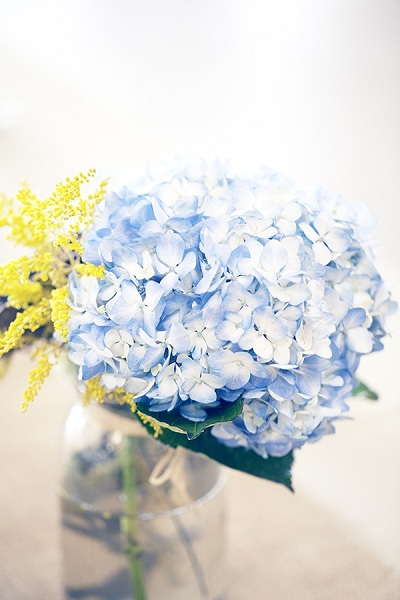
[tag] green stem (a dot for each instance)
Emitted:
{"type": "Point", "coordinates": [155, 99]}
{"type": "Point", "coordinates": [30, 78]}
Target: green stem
{"type": "Point", "coordinates": [129, 520]}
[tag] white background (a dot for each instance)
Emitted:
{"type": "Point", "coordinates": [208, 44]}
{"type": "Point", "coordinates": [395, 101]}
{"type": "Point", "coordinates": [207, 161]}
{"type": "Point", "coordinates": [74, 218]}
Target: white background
{"type": "Point", "coordinates": [308, 87]}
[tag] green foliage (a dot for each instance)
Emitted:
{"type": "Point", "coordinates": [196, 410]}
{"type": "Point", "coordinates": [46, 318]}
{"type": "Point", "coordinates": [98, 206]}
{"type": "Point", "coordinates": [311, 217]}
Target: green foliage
{"type": "Point", "coordinates": [191, 428]}
{"type": "Point", "coordinates": [363, 390]}
{"type": "Point", "coordinates": [274, 469]}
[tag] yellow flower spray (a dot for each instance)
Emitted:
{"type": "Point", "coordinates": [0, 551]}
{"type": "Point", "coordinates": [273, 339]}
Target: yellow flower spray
{"type": "Point", "coordinates": [33, 288]}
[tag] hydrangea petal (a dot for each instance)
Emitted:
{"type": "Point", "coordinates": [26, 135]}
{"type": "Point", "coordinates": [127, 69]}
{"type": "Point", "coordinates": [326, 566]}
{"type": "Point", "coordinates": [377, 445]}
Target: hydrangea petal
{"type": "Point", "coordinates": [236, 375]}
{"type": "Point", "coordinates": [360, 340]}
{"type": "Point", "coordinates": [201, 392]}
{"type": "Point", "coordinates": [274, 257]}
{"type": "Point", "coordinates": [170, 249]}
{"type": "Point", "coordinates": [322, 254]}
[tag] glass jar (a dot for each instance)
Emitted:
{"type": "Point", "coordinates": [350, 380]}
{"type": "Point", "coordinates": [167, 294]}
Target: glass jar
{"type": "Point", "coordinates": [140, 520]}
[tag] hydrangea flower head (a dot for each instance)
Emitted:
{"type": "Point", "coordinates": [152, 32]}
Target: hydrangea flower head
{"type": "Point", "coordinates": [216, 288]}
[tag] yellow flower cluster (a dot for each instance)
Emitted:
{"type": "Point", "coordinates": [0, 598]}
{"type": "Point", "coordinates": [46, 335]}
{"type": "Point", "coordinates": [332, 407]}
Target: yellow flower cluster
{"type": "Point", "coordinates": [146, 419]}
{"type": "Point", "coordinates": [31, 319]}
{"type": "Point", "coordinates": [46, 357]}
{"type": "Point", "coordinates": [35, 285]}
{"type": "Point", "coordinates": [89, 269]}
{"type": "Point", "coordinates": [60, 311]}
{"type": "Point", "coordinates": [57, 220]}
{"type": "Point", "coordinates": [21, 279]}
{"type": "Point", "coordinates": [95, 391]}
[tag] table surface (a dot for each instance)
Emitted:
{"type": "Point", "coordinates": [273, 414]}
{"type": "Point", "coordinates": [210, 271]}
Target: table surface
{"type": "Point", "coordinates": [280, 545]}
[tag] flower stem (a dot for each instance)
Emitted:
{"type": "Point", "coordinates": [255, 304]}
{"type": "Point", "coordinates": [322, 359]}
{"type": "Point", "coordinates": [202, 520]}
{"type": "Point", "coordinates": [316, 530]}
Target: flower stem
{"type": "Point", "coordinates": [129, 520]}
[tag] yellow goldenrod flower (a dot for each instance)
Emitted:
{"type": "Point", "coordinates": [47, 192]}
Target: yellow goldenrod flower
{"type": "Point", "coordinates": [36, 284]}
{"type": "Point", "coordinates": [150, 421]}
{"type": "Point", "coordinates": [89, 269]}
{"type": "Point", "coordinates": [47, 356]}
{"type": "Point", "coordinates": [60, 311]}
{"type": "Point", "coordinates": [124, 397]}
{"type": "Point", "coordinates": [94, 391]}
{"type": "Point", "coordinates": [30, 319]}
{"type": "Point", "coordinates": [69, 242]}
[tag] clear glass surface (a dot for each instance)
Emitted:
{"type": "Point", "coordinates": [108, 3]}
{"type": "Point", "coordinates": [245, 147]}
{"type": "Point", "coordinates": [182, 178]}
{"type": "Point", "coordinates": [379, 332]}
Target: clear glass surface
{"type": "Point", "coordinates": [140, 520]}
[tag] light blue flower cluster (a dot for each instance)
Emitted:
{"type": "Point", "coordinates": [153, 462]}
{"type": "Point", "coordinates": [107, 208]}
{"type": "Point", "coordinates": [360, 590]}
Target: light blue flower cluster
{"type": "Point", "coordinates": [218, 287]}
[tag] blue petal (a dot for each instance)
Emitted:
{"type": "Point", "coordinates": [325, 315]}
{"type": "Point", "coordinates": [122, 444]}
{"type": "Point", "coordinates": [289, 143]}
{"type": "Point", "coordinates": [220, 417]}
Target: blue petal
{"type": "Point", "coordinates": [354, 318]}
{"type": "Point", "coordinates": [122, 312]}
{"type": "Point", "coordinates": [308, 382]}
{"type": "Point", "coordinates": [135, 357]}
{"type": "Point", "coordinates": [280, 387]}
{"type": "Point", "coordinates": [89, 372]}
{"type": "Point", "coordinates": [170, 249]}
{"type": "Point", "coordinates": [192, 411]}
{"type": "Point", "coordinates": [236, 376]}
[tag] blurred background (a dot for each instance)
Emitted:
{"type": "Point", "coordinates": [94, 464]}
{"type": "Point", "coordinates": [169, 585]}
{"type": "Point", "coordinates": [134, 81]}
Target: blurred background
{"type": "Point", "coordinates": [310, 88]}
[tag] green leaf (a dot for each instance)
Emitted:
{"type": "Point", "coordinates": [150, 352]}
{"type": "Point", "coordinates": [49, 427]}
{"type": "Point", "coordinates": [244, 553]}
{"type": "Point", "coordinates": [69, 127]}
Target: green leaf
{"type": "Point", "coordinates": [274, 469]}
{"type": "Point", "coordinates": [363, 390]}
{"type": "Point", "coordinates": [193, 429]}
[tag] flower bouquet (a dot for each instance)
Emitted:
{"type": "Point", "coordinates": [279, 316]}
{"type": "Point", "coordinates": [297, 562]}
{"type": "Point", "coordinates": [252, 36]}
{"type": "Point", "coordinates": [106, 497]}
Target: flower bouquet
{"type": "Point", "coordinates": [228, 314]}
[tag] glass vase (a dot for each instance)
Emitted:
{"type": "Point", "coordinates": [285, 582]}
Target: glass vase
{"type": "Point", "coordinates": [140, 520]}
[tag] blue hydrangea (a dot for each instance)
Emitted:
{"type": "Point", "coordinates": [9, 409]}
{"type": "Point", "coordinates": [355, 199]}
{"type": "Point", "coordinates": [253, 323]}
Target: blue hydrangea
{"type": "Point", "coordinates": [218, 287]}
